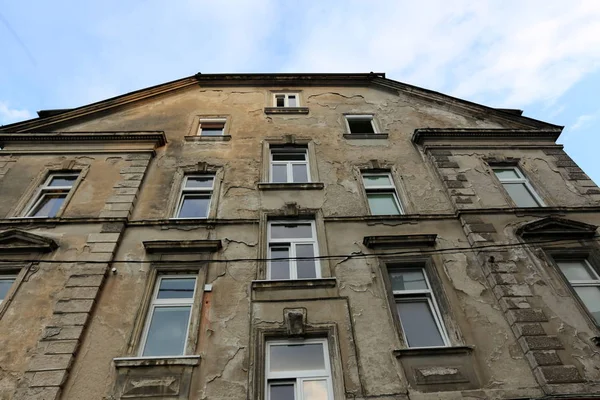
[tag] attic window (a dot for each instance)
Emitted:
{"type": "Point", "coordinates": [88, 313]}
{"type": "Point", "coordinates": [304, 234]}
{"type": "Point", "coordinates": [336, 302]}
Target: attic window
{"type": "Point", "coordinates": [212, 127]}
{"type": "Point", "coordinates": [361, 124]}
{"type": "Point", "coordinates": [286, 100]}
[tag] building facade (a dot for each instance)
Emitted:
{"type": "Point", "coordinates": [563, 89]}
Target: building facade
{"type": "Point", "coordinates": [295, 236]}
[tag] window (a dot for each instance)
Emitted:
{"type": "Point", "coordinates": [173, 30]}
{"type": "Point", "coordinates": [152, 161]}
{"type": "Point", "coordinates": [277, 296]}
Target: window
{"type": "Point", "coordinates": [6, 282]}
{"type": "Point", "coordinates": [289, 165]}
{"type": "Point", "coordinates": [361, 124]}
{"type": "Point", "coordinates": [286, 100]}
{"type": "Point", "coordinates": [169, 314]}
{"type": "Point", "coordinates": [212, 127]}
{"type": "Point", "coordinates": [196, 193]}
{"type": "Point", "coordinates": [298, 370]}
{"type": "Point", "coordinates": [585, 282]}
{"type": "Point", "coordinates": [293, 240]}
{"type": "Point", "coordinates": [381, 194]}
{"type": "Point", "coordinates": [417, 309]}
{"type": "Point", "coordinates": [51, 195]}
{"type": "Point", "coordinates": [518, 187]}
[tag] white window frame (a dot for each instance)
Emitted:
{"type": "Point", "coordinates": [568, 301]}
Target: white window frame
{"type": "Point", "coordinates": [297, 377]}
{"type": "Point", "coordinates": [391, 188]}
{"type": "Point", "coordinates": [289, 164]}
{"type": "Point", "coordinates": [522, 179]}
{"type": "Point", "coordinates": [184, 191]}
{"type": "Point", "coordinates": [581, 282]}
{"type": "Point", "coordinates": [291, 244]}
{"type": "Point", "coordinates": [6, 277]}
{"type": "Point", "coordinates": [419, 295]}
{"type": "Point", "coordinates": [156, 302]}
{"type": "Point", "coordinates": [286, 99]}
{"type": "Point", "coordinates": [45, 189]}
{"type": "Point", "coordinates": [369, 117]}
{"type": "Point", "coordinates": [212, 121]}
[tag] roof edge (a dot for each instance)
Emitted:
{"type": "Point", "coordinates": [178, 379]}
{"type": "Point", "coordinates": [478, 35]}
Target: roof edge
{"type": "Point", "coordinates": [425, 134]}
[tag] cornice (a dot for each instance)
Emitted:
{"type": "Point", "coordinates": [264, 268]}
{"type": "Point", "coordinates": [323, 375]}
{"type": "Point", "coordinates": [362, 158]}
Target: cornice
{"type": "Point", "coordinates": [399, 241]}
{"type": "Point", "coordinates": [422, 135]}
{"type": "Point", "coordinates": [182, 246]}
{"type": "Point", "coordinates": [158, 137]}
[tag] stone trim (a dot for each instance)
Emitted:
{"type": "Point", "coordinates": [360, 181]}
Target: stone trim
{"type": "Point", "coordinates": [290, 186]}
{"type": "Point", "coordinates": [158, 137]}
{"type": "Point", "coordinates": [222, 138]}
{"type": "Point", "coordinates": [359, 136]}
{"type": "Point", "coordinates": [434, 351]}
{"type": "Point", "coordinates": [399, 241]}
{"type": "Point", "coordinates": [14, 240]}
{"type": "Point", "coordinates": [286, 110]}
{"type": "Point", "coordinates": [122, 362]}
{"type": "Point", "coordinates": [573, 173]}
{"type": "Point", "coordinates": [182, 246]}
{"type": "Point", "coordinates": [556, 227]}
{"type": "Point", "coordinates": [425, 135]}
{"type": "Point", "coordinates": [459, 189]}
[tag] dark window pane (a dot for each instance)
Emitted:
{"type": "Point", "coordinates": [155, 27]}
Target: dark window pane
{"type": "Point", "coordinates": [306, 268]}
{"type": "Point", "coordinates": [360, 126]}
{"type": "Point", "coordinates": [408, 280]}
{"type": "Point", "coordinates": [176, 288]}
{"type": "Point", "coordinates": [590, 296]}
{"type": "Point", "coordinates": [62, 181]}
{"type": "Point", "coordinates": [418, 324]}
{"type": "Point", "coordinates": [168, 331]}
{"type": "Point", "coordinates": [282, 392]}
{"type": "Point", "coordinates": [49, 205]}
{"type": "Point", "coordinates": [382, 204]}
{"type": "Point", "coordinates": [5, 284]}
{"type": "Point", "coordinates": [279, 173]}
{"type": "Point", "coordinates": [292, 102]}
{"type": "Point", "coordinates": [300, 172]}
{"type": "Point", "coordinates": [194, 206]}
{"type": "Point", "coordinates": [212, 132]}
{"type": "Point", "coordinates": [199, 182]}
{"type": "Point", "coordinates": [291, 231]}
{"type": "Point", "coordinates": [283, 156]}
{"type": "Point", "coordinates": [303, 357]}
{"type": "Point", "coordinates": [280, 100]}
{"type": "Point", "coordinates": [280, 269]}
{"type": "Point", "coordinates": [520, 195]}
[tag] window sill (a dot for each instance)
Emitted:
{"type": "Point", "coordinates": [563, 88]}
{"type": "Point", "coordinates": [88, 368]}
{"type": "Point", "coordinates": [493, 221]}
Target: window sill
{"type": "Point", "coordinates": [365, 136]}
{"type": "Point", "coordinates": [127, 362]}
{"type": "Point", "coordinates": [290, 289]}
{"type": "Point", "coordinates": [433, 351]}
{"type": "Point", "coordinates": [291, 186]}
{"type": "Point", "coordinates": [222, 138]}
{"type": "Point", "coordinates": [286, 110]}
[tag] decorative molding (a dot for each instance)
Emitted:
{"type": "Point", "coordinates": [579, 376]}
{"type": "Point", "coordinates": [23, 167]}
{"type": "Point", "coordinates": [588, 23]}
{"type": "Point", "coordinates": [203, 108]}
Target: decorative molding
{"type": "Point", "coordinates": [291, 284]}
{"type": "Point", "coordinates": [422, 135]}
{"type": "Point", "coordinates": [122, 362]}
{"type": "Point", "coordinates": [433, 351]}
{"type": "Point", "coordinates": [361, 136]}
{"type": "Point", "coordinates": [399, 241]}
{"type": "Point", "coordinates": [16, 241]}
{"type": "Point", "coordinates": [182, 246]}
{"type": "Point", "coordinates": [295, 321]}
{"type": "Point", "coordinates": [290, 186]}
{"type": "Point", "coordinates": [200, 138]}
{"type": "Point", "coordinates": [556, 227]}
{"type": "Point", "coordinates": [158, 137]}
{"type": "Point", "coordinates": [286, 110]}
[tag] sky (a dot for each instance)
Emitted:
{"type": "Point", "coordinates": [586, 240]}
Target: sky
{"type": "Point", "coordinates": [539, 56]}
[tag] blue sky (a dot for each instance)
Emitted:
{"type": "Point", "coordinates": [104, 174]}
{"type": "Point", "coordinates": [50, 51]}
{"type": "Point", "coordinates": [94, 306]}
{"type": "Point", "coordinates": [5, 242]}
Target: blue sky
{"type": "Point", "coordinates": [540, 56]}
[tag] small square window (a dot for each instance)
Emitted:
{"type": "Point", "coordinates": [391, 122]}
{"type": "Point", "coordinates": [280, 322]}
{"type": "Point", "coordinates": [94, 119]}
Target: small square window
{"type": "Point", "coordinates": [417, 309]}
{"type": "Point", "coordinates": [361, 124]}
{"type": "Point", "coordinates": [298, 370]}
{"type": "Point", "coordinates": [286, 100]}
{"type": "Point", "coordinates": [293, 250]}
{"type": "Point", "coordinates": [381, 194]}
{"type": "Point", "coordinates": [289, 165]}
{"type": "Point", "coordinates": [169, 315]}
{"type": "Point", "coordinates": [212, 127]}
{"type": "Point", "coordinates": [52, 195]}
{"type": "Point", "coordinates": [195, 196]}
{"type": "Point", "coordinates": [518, 187]}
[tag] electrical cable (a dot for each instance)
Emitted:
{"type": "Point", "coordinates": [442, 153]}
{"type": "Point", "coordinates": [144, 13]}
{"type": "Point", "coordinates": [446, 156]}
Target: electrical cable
{"type": "Point", "coordinates": [450, 250]}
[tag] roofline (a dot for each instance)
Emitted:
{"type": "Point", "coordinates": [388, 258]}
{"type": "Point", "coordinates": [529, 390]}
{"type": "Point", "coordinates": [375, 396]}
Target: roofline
{"type": "Point", "coordinates": [432, 134]}
{"type": "Point", "coordinates": [376, 79]}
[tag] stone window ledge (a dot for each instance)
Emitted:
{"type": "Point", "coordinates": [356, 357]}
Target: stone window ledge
{"type": "Point", "coordinates": [291, 186]}
{"type": "Point", "coordinates": [128, 362]}
{"type": "Point", "coordinates": [286, 110]}
{"type": "Point", "coordinates": [365, 135]}
{"type": "Point", "coordinates": [287, 284]}
{"type": "Point", "coordinates": [433, 351]}
{"type": "Point", "coordinates": [200, 138]}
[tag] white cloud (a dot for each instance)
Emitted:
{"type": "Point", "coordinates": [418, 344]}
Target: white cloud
{"type": "Point", "coordinates": [584, 121]}
{"type": "Point", "coordinates": [9, 115]}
